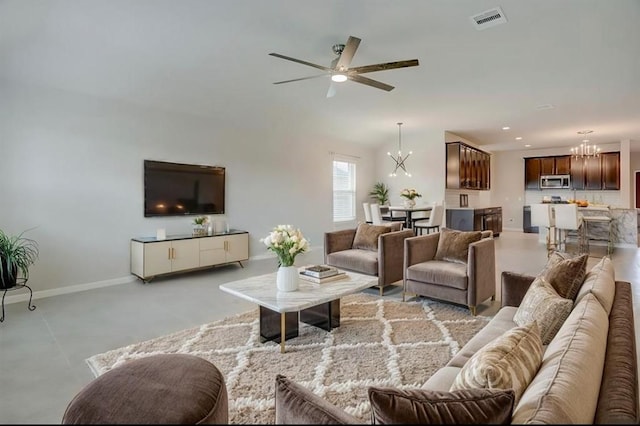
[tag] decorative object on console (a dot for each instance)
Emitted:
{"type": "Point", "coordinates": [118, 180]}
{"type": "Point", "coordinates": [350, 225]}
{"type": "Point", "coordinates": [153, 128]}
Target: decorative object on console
{"type": "Point", "coordinates": [399, 160]}
{"type": "Point", "coordinates": [286, 242]}
{"type": "Point", "coordinates": [17, 253]}
{"type": "Point", "coordinates": [410, 196]}
{"type": "Point", "coordinates": [200, 225]}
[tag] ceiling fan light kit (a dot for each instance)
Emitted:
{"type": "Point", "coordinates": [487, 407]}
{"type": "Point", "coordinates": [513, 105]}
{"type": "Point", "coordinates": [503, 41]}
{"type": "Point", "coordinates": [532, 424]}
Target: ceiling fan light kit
{"type": "Point", "coordinates": [399, 160]}
{"type": "Point", "coordinates": [340, 70]}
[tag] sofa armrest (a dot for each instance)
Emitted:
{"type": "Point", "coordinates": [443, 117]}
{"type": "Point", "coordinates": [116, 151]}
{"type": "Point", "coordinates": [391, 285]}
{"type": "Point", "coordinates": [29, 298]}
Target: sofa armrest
{"type": "Point", "coordinates": [618, 399]}
{"type": "Point", "coordinates": [337, 241]}
{"type": "Point", "coordinates": [391, 256]}
{"type": "Point", "coordinates": [481, 270]}
{"type": "Point", "coordinates": [420, 249]}
{"type": "Point", "coordinates": [514, 287]}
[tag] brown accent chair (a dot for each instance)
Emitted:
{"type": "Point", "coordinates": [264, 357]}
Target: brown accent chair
{"type": "Point", "coordinates": [382, 259]}
{"type": "Point", "coordinates": [466, 283]}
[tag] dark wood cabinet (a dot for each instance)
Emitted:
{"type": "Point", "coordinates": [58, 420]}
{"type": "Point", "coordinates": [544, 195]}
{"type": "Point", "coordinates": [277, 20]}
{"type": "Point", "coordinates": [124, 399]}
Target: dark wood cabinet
{"type": "Point", "coordinates": [596, 173]}
{"type": "Point", "coordinates": [610, 164]}
{"type": "Point", "coordinates": [532, 172]}
{"type": "Point", "coordinates": [467, 167]}
{"type": "Point", "coordinates": [475, 219]}
{"type": "Point", "coordinates": [534, 167]}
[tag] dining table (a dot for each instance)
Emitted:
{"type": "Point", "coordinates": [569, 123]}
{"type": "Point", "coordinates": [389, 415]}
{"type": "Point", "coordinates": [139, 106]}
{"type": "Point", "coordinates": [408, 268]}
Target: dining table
{"type": "Point", "coordinates": [408, 211]}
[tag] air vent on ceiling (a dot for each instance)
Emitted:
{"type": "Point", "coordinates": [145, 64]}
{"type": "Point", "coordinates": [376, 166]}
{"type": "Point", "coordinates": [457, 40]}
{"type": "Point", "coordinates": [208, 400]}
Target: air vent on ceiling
{"type": "Point", "coordinates": [488, 18]}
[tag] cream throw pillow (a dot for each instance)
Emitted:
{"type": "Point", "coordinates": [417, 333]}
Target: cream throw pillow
{"type": "Point", "coordinates": [509, 362]}
{"type": "Point", "coordinates": [541, 303]}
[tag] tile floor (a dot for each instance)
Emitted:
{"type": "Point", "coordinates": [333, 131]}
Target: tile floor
{"type": "Point", "coordinates": [42, 352]}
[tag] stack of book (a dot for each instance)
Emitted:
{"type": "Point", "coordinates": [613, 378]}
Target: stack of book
{"type": "Point", "coordinates": [321, 274]}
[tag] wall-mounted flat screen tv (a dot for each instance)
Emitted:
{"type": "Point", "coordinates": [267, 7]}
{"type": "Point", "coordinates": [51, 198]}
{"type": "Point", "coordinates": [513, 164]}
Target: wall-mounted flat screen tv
{"type": "Point", "coordinates": [172, 189]}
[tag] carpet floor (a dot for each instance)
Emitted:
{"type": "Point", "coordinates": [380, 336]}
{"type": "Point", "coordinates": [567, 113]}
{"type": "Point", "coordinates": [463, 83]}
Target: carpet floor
{"type": "Point", "coordinates": [380, 342]}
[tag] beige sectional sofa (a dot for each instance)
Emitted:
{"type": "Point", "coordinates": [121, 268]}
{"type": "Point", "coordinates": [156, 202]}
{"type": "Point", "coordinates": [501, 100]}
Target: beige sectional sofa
{"type": "Point", "coordinates": [588, 372]}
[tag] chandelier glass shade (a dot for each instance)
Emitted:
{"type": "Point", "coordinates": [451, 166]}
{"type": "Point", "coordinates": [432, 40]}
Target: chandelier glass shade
{"type": "Point", "coordinates": [584, 150]}
{"type": "Point", "coordinates": [399, 159]}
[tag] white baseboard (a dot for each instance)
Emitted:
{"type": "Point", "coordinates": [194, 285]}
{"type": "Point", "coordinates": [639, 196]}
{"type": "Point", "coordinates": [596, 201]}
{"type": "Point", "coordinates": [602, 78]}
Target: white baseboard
{"type": "Point", "coordinates": [41, 294]}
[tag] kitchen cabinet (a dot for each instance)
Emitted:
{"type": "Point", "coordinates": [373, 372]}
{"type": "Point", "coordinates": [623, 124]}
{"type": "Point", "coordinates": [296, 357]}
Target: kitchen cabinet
{"type": "Point", "coordinates": [468, 219]}
{"type": "Point", "coordinates": [532, 172]}
{"type": "Point", "coordinates": [596, 173]}
{"type": "Point", "coordinates": [467, 167]}
{"type": "Point", "coordinates": [534, 167]}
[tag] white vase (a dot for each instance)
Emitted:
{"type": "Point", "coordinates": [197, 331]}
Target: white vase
{"type": "Point", "coordinates": [287, 278]}
{"type": "Point", "coordinates": [409, 203]}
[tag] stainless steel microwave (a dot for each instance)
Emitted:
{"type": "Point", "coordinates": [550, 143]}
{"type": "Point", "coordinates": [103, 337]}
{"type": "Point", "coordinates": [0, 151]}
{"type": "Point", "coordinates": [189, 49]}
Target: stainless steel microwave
{"type": "Point", "coordinates": [555, 182]}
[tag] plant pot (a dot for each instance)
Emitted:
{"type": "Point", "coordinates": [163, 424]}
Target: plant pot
{"type": "Point", "coordinates": [8, 280]}
{"type": "Point", "coordinates": [409, 203]}
{"type": "Point", "coordinates": [287, 278]}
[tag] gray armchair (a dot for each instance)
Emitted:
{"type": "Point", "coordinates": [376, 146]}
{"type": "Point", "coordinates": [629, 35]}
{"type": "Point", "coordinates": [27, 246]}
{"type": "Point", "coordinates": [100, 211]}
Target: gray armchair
{"type": "Point", "coordinates": [382, 257]}
{"type": "Point", "coordinates": [466, 281]}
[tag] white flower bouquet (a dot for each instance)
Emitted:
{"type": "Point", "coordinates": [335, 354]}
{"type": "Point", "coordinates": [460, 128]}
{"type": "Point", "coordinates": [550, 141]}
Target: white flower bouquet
{"type": "Point", "coordinates": [410, 194]}
{"type": "Point", "coordinates": [286, 242]}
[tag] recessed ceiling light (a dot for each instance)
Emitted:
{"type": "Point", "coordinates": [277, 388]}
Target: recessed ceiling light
{"type": "Point", "coordinates": [527, 145]}
{"type": "Point", "coordinates": [519, 138]}
{"type": "Point", "coordinates": [506, 128]}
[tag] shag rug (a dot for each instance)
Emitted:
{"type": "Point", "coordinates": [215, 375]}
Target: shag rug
{"type": "Point", "coordinates": [380, 342]}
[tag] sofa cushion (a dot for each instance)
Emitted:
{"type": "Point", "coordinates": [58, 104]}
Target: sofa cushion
{"type": "Point", "coordinates": [297, 405]}
{"type": "Point", "coordinates": [439, 272]}
{"type": "Point", "coordinates": [600, 281]}
{"type": "Point", "coordinates": [367, 236]}
{"type": "Point", "coordinates": [566, 388]}
{"type": "Point", "coordinates": [542, 304]}
{"type": "Point", "coordinates": [418, 406]}
{"type": "Point", "coordinates": [365, 261]}
{"type": "Point", "coordinates": [509, 362]}
{"type": "Point", "coordinates": [499, 324]}
{"type": "Point", "coordinates": [565, 273]}
{"type": "Point", "coordinates": [453, 246]}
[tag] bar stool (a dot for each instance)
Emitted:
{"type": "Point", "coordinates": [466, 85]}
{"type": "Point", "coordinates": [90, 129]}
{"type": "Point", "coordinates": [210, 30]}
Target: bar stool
{"type": "Point", "coordinates": [542, 217]}
{"type": "Point", "coordinates": [593, 220]}
{"type": "Point", "coordinates": [567, 219]}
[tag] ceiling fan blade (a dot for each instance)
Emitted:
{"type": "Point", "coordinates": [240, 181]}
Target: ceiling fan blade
{"type": "Point", "coordinates": [370, 82]}
{"type": "Point", "coordinates": [385, 66]}
{"type": "Point", "coordinates": [320, 67]}
{"type": "Point", "coordinates": [301, 78]}
{"type": "Point", "coordinates": [347, 54]}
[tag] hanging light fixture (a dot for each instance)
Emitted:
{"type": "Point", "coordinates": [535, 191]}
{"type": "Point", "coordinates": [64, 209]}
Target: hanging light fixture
{"type": "Point", "coordinates": [399, 160]}
{"type": "Point", "coordinates": [584, 150]}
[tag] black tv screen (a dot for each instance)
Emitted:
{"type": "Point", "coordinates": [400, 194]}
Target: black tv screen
{"type": "Point", "coordinates": [172, 189]}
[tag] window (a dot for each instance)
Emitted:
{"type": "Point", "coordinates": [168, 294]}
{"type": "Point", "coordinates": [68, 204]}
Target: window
{"type": "Point", "coordinates": [344, 190]}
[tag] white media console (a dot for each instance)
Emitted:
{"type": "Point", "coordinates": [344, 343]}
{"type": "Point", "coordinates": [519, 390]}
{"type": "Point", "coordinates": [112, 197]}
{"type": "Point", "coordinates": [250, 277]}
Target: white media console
{"type": "Point", "coordinates": [151, 257]}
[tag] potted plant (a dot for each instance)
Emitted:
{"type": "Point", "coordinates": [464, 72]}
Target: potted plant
{"type": "Point", "coordinates": [286, 242]}
{"type": "Point", "coordinates": [199, 225]}
{"type": "Point", "coordinates": [410, 195]}
{"type": "Point", "coordinates": [17, 253]}
{"type": "Point", "coordinates": [380, 193]}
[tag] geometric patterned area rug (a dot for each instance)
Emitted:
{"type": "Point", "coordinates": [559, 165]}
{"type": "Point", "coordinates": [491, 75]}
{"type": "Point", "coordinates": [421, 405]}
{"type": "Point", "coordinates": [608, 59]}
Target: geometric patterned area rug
{"type": "Point", "coordinates": [380, 342]}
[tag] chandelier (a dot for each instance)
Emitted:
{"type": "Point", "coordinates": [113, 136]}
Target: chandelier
{"type": "Point", "coordinates": [584, 150]}
{"type": "Point", "coordinates": [399, 160]}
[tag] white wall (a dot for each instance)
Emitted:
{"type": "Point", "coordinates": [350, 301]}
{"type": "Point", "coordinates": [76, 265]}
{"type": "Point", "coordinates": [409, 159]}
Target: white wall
{"type": "Point", "coordinates": [71, 167]}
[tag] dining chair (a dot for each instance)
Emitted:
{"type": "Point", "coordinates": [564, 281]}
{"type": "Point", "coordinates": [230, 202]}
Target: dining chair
{"type": "Point", "coordinates": [367, 212]}
{"type": "Point", "coordinates": [434, 222]}
{"type": "Point", "coordinates": [376, 215]}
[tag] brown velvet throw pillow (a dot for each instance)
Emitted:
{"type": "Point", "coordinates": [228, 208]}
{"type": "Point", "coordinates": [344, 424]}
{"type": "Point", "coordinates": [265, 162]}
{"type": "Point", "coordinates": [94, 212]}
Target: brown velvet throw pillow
{"type": "Point", "coordinates": [367, 236]}
{"type": "Point", "coordinates": [297, 405]}
{"type": "Point", "coordinates": [453, 246]}
{"type": "Point", "coordinates": [565, 273]}
{"type": "Point", "coordinates": [420, 406]}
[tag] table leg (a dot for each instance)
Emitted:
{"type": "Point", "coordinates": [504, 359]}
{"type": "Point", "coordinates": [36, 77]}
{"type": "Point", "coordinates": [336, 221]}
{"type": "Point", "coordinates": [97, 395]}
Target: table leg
{"type": "Point", "coordinates": [283, 331]}
{"type": "Point", "coordinates": [325, 316]}
{"type": "Point", "coordinates": [277, 327]}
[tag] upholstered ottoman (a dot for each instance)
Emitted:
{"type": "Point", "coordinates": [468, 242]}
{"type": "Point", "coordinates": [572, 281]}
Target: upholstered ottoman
{"type": "Point", "coordinates": [167, 388]}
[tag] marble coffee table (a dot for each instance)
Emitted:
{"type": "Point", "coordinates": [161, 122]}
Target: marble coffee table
{"type": "Point", "coordinates": [315, 304]}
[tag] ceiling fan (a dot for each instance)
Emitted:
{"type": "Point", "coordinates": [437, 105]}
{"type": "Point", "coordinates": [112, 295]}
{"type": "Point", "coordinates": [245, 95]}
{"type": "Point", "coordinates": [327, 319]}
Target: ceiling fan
{"type": "Point", "coordinates": [340, 70]}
